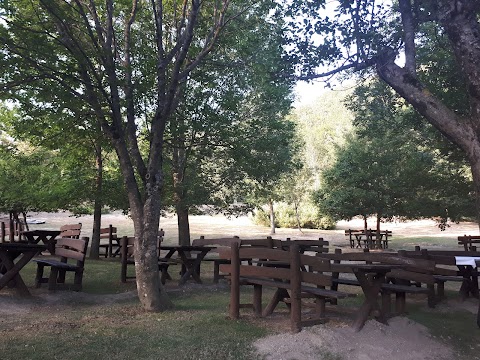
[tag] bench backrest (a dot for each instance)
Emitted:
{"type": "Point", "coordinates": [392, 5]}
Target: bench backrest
{"type": "Point", "coordinates": [71, 231]}
{"type": "Point", "coordinates": [467, 242]}
{"type": "Point", "coordinates": [127, 247]}
{"type": "Point", "coordinates": [415, 269]}
{"type": "Point", "coordinates": [75, 249]}
{"type": "Point", "coordinates": [109, 232]}
{"type": "Point", "coordinates": [257, 243]}
{"type": "Point", "coordinates": [294, 268]}
{"type": "Point", "coordinates": [318, 246]}
{"type": "Point", "coordinates": [127, 244]}
{"type": "Point", "coordinates": [10, 229]}
{"type": "Point", "coordinates": [444, 259]}
{"type": "Point", "coordinates": [226, 241]}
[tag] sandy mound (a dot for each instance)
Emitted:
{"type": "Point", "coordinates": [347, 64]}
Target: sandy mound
{"type": "Point", "coordinates": [402, 339]}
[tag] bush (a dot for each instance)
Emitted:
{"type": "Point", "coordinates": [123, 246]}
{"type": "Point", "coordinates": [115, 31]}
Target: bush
{"type": "Point", "coordinates": [310, 218]}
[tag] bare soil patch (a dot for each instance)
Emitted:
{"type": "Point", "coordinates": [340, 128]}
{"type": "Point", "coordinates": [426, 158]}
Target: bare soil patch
{"type": "Point", "coordinates": [401, 339]}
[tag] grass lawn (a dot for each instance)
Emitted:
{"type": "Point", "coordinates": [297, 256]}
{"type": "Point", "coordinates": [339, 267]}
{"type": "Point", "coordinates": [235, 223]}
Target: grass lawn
{"type": "Point", "coordinates": [91, 325]}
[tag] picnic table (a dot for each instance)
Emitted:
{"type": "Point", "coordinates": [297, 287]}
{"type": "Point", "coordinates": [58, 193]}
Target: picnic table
{"type": "Point", "coordinates": [190, 264]}
{"type": "Point", "coordinates": [369, 239]}
{"type": "Point", "coordinates": [13, 257]}
{"type": "Point", "coordinates": [467, 264]}
{"type": "Point", "coordinates": [45, 236]}
{"type": "Point", "coordinates": [371, 277]}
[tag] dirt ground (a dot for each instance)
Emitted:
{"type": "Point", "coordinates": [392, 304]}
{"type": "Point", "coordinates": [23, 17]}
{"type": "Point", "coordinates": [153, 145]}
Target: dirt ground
{"type": "Point", "coordinates": [243, 226]}
{"type": "Point", "coordinates": [374, 342]}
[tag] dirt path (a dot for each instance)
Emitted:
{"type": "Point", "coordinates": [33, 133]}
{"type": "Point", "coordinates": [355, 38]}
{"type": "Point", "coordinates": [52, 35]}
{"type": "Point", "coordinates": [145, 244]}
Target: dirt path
{"type": "Point", "coordinates": [243, 226]}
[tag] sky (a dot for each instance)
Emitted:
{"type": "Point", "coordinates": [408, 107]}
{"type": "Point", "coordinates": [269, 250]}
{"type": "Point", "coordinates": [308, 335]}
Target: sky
{"type": "Point", "coordinates": [305, 92]}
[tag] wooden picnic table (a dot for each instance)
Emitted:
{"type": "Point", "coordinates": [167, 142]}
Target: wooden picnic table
{"type": "Point", "coordinates": [13, 257]}
{"type": "Point", "coordinates": [369, 239]}
{"type": "Point", "coordinates": [468, 266]}
{"type": "Point", "coordinates": [190, 264]}
{"type": "Point", "coordinates": [371, 277]}
{"type": "Point", "coordinates": [45, 236]}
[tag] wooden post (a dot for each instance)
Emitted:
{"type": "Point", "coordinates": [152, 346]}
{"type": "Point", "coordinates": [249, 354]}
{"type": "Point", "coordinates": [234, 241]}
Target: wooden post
{"type": "Point", "coordinates": [235, 281]}
{"type": "Point", "coordinates": [257, 300]}
{"type": "Point", "coordinates": [295, 294]}
{"type": "Point", "coordinates": [2, 232]}
{"type": "Point", "coordinates": [123, 258]}
{"type": "Point", "coordinates": [11, 230]}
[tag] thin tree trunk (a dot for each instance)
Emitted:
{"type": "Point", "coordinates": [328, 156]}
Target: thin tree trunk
{"type": "Point", "coordinates": [297, 216]}
{"type": "Point", "coordinates": [365, 224]}
{"type": "Point", "coordinates": [475, 166]}
{"type": "Point", "coordinates": [272, 217]}
{"type": "Point", "coordinates": [183, 225]}
{"type": "Point", "coordinates": [98, 204]}
{"type": "Point", "coordinates": [24, 215]}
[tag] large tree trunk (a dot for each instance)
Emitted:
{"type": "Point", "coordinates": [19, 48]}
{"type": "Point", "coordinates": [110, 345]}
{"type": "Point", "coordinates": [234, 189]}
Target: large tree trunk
{"type": "Point", "coordinates": [98, 204]}
{"type": "Point", "coordinates": [145, 213]}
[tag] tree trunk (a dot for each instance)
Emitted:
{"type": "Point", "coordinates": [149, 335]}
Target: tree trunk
{"type": "Point", "coordinates": [145, 213]}
{"type": "Point", "coordinates": [378, 223]}
{"type": "Point", "coordinates": [98, 204]}
{"type": "Point", "coordinates": [272, 217]}
{"type": "Point", "coordinates": [365, 224]}
{"type": "Point", "coordinates": [183, 225]}
{"type": "Point", "coordinates": [297, 216]}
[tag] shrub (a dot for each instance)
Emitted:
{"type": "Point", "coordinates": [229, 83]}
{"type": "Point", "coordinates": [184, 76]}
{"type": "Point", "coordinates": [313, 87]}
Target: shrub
{"type": "Point", "coordinates": [310, 218]}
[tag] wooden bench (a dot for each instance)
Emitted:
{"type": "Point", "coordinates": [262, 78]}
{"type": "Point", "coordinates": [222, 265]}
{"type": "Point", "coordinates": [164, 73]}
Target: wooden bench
{"type": "Point", "coordinates": [350, 233]}
{"type": "Point", "coordinates": [65, 249]}
{"type": "Point", "coordinates": [319, 246]}
{"type": "Point", "coordinates": [287, 275]}
{"type": "Point", "coordinates": [10, 231]}
{"type": "Point", "coordinates": [447, 270]}
{"type": "Point", "coordinates": [401, 281]}
{"type": "Point", "coordinates": [468, 241]}
{"type": "Point", "coordinates": [218, 243]}
{"type": "Point", "coordinates": [112, 247]}
{"type": "Point", "coordinates": [71, 231]}
{"type": "Point", "coordinates": [127, 244]}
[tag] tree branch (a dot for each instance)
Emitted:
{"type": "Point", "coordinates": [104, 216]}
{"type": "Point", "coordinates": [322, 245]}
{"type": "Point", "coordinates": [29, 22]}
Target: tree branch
{"type": "Point", "coordinates": [409, 27]}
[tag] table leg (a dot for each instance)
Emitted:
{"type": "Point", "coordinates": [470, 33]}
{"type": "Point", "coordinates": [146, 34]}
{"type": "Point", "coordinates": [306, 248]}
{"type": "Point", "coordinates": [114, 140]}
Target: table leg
{"type": "Point", "coordinates": [278, 296]}
{"type": "Point", "coordinates": [191, 266]}
{"type": "Point", "coordinates": [371, 289]}
{"type": "Point", "coordinates": [359, 240]}
{"type": "Point", "coordinates": [478, 315]}
{"type": "Point", "coordinates": [470, 283]}
{"type": "Point", "coordinates": [13, 272]}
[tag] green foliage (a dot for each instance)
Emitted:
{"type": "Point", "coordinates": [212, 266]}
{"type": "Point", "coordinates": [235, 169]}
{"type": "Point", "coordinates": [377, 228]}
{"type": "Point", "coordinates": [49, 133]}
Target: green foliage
{"type": "Point", "coordinates": [285, 217]}
{"type": "Point", "coordinates": [323, 125]}
{"type": "Point", "coordinates": [36, 180]}
{"type": "Point", "coordinates": [390, 169]}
